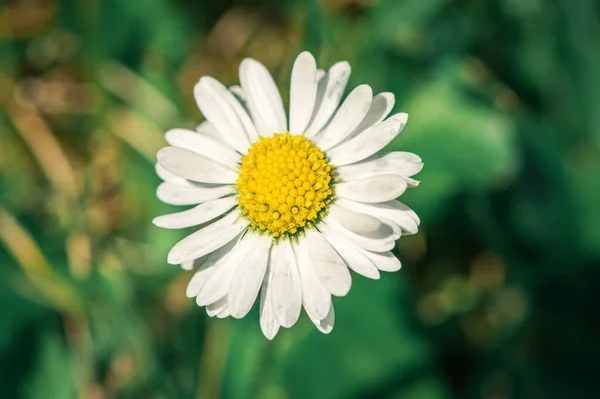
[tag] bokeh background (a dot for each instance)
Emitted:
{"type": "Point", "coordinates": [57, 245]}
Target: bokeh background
{"type": "Point", "coordinates": [498, 296]}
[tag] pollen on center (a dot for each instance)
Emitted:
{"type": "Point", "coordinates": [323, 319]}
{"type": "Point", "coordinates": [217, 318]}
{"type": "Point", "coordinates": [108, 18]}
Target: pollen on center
{"type": "Point", "coordinates": [284, 184]}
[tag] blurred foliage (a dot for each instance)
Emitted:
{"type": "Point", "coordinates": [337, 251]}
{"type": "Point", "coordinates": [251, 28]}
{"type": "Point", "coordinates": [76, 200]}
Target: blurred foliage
{"type": "Point", "coordinates": [497, 298]}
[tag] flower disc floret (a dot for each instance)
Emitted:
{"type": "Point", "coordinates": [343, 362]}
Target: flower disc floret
{"type": "Point", "coordinates": [284, 184]}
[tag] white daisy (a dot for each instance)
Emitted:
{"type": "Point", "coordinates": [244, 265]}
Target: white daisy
{"type": "Point", "coordinates": [284, 209]}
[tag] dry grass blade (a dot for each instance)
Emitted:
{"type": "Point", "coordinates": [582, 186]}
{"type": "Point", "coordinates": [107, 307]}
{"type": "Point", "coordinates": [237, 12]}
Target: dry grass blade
{"type": "Point", "coordinates": [144, 136]}
{"type": "Point", "coordinates": [29, 256]}
{"type": "Point", "coordinates": [45, 147]}
{"type": "Point", "coordinates": [137, 92]}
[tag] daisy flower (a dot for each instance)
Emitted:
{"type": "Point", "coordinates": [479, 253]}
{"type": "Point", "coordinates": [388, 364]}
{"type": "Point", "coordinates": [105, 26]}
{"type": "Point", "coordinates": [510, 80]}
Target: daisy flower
{"type": "Point", "coordinates": [286, 209]}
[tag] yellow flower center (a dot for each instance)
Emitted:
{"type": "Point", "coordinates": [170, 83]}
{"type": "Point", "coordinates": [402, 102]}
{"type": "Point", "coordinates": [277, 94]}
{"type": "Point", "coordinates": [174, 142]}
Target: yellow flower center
{"type": "Point", "coordinates": [284, 184]}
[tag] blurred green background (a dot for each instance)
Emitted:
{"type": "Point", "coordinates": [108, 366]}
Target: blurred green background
{"type": "Point", "coordinates": [498, 296]}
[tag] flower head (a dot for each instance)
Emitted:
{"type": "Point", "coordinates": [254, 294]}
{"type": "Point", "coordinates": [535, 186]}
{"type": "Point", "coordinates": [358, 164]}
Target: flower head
{"type": "Point", "coordinates": [286, 210]}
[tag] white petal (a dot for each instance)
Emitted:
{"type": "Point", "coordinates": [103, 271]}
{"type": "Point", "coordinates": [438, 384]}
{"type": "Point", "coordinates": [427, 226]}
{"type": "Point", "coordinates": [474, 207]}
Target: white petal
{"type": "Point", "coordinates": [395, 211]}
{"type": "Point", "coordinates": [347, 118]}
{"type": "Point", "coordinates": [385, 261]}
{"type": "Point", "coordinates": [240, 96]}
{"type": "Point", "coordinates": [193, 166]}
{"type": "Point", "coordinates": [328, 265]}
{"type": "Point", "coordinates": [368, 142]}
{"type": "Point", "coordinates": [412, 158]}
{"type": "Point", "coordinates": [224, 313]}
{"type": "Point", "coordinates": [395, 228]}
{"type": "Point", "coordinates": [320, 74]}
{"type": "Point", "coordinates": [189, 265]}
{"type": "Point", "coordinates": [207, 129]}
{"type": "Point", "coordinates": [325, 325]}
{"type": "Point", "coordinates": [208, 239]}
{"type": "Point", "coordinates": [207, 268]}
{"type": "Point", "coordinates": [242, 114]}
{"type": "Point", "coordinates": [170, 177]}
{"type": "Point", "coordinates": [263, 98]}
{"type": "Point", "coordinates": [381, 106]}
{"type": "Point", "coordinates": [303, 92]}
{"type": "Point", "coordinates": [379, 188]}
{"type": "Point", "coordinates": [238, 92]}
{"type": "Point", "coordinates": [365, 231]}
{"type": "Point", "coordinates": [248, 277]}
{"type": "Point", "coordinates": [411, 182]}
{"type": "Point", "coordinates": [219, 283]}
{"type": "Point", "coordinates": [212, 99]}
{"type": "Point", "coordinates": [197, 215]}
{"type": "Point", "coordinates": [174, 194]}
{"type": "Point", "coordinates": [315, 298]}
{"type": "Point", "coordinates": [203, 145]}
{"type": "Point", "coordinates": [287, 289]}
{"type": "Point", "coordinates": [329, 93]}
{"type": "Point", "coordinates": [192, 264]}
{"type": "Point", "coordinates": [216, 307]}
{"type": "Point", "coordinates": [394, 163]}
{"type": "Point", "coordinates": [198, 280]}
{"type": "Point", "coordinates": [355, 259]}
{"type": "Point", "coordinates": [400, 205]}
{"type": "Point", "coordinates": [268, 322]}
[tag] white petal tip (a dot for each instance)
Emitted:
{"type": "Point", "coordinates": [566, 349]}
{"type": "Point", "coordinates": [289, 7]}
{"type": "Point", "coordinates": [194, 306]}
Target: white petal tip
{"type": "Point", "coordinates": [239, 313]}
{"type": "Point", "coordinates": [271, 334]}
{"type": "Point", "coordinates": [198, 85]}
{"type": "Point", "coordinates": [341, 293]}
{"type": "Point", "coordinates": [391, 97]}
{"type": "Point", "coordinates": [288, 323]}
{"type": "Point", "coordinates": [159, 221]}
{"type": "Point", "coordinates": [342, 64]}
{"type": "Point", "coordinates": [236, 315]}
{"type": "Point", "coordinates": [366, 89]}
{"type": "Point", "coordinates": [161, 154]}
{"type": "Point", "coordinates": [326, 325]}
{"type": "Point", "coordinates": [394, 270]}
{"type": "Point", "coordinates": [401, 117]}
{"type": "Point", "coordinates": [305, 54]}
{"type": "Point", "coordinates": [189, 265]}
{"type": "Point", "coordinates": [170, 132]}
{"type": "Point", "coordinates": [247, 62]}
{"type": "Point", "coordinates": [174, 259]}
